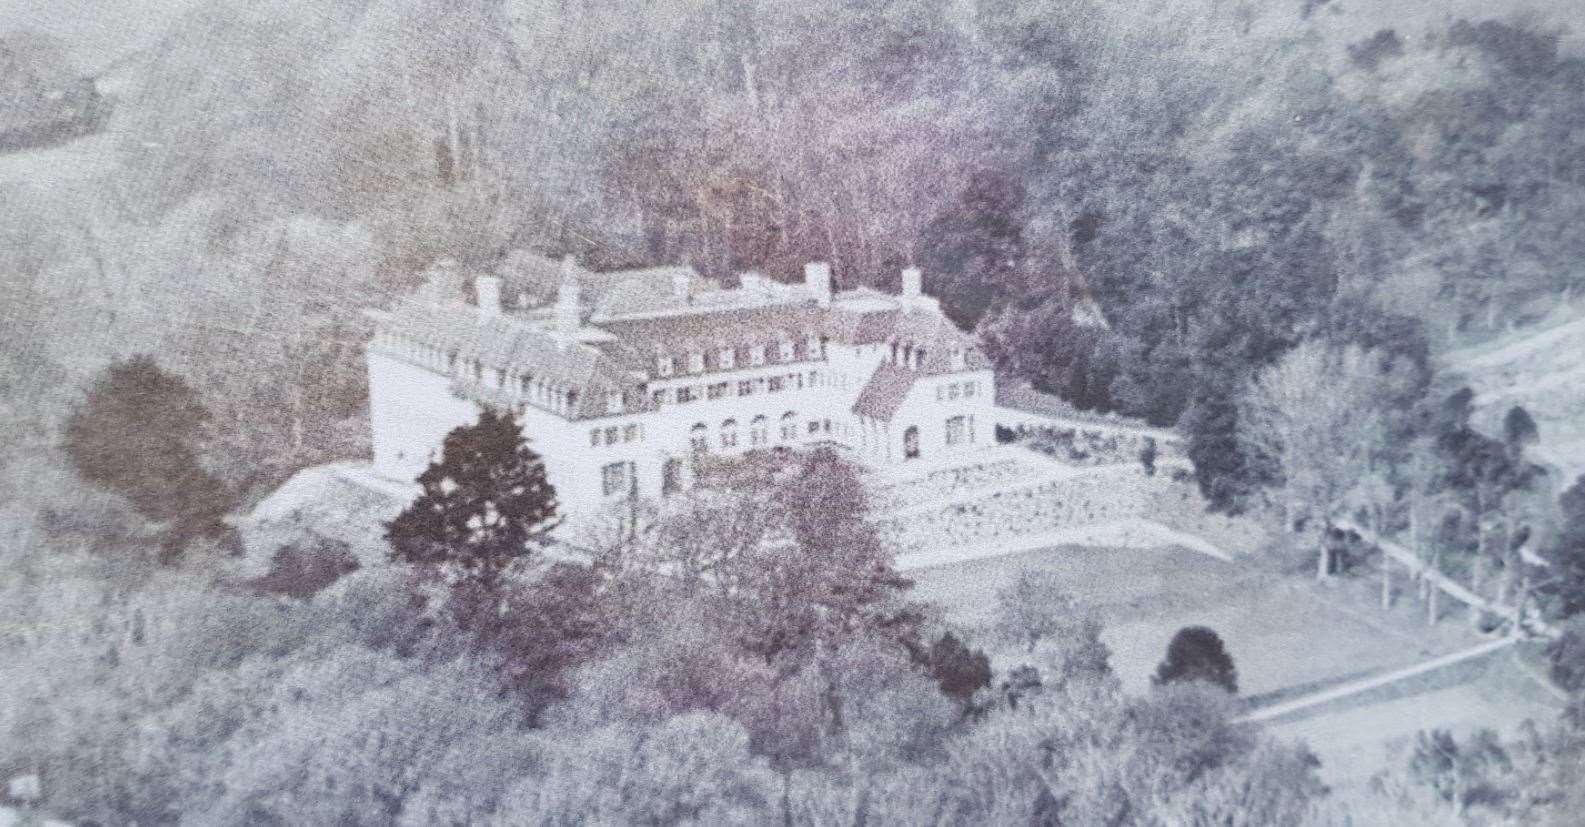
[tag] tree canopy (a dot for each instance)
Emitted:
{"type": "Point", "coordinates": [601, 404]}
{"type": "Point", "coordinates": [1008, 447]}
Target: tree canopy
{"type": "Point", "coordinates": [485, 504]}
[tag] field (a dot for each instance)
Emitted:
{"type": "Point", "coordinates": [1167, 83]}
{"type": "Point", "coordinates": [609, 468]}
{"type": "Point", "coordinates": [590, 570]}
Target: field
{"type": "Point", "coordinates": [1286, 634]}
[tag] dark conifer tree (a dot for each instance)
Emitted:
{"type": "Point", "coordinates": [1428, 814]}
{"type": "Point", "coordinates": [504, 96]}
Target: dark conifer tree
{"type": "Point", "coordinates": [485, 504]}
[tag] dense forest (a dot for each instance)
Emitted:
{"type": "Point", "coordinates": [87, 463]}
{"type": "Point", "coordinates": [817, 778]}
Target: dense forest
{"type": "Point", "coordinates": [1280, 229]}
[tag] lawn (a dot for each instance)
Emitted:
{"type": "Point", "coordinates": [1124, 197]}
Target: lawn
{"type": "Point", "coordinates": [1282, 631]}
{"type": "Point", "coordinates": [1286, 633]}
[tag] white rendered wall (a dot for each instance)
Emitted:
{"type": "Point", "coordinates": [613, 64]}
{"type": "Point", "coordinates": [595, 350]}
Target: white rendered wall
{"type": "Point", "coordinates": [411, 409]}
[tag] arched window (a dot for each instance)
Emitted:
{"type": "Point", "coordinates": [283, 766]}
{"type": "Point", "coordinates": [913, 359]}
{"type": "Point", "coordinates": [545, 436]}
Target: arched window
{"type": "Point", "coordinates": [957, 430]}
{"type": "Point", "coordinates": [697, 436]}
{"type": "Point", "coordinates": [789, 426]}
{"type": "Point", "coordinates": [729, 433]}
{"type": "Point", "coordinates": [758, 431]}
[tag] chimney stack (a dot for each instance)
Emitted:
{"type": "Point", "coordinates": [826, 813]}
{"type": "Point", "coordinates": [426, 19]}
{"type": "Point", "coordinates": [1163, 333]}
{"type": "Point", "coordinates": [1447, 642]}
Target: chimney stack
{"type": "Point", "coordinates": [487, 295]}
{"type": "Point", "coordinates": [569, 314]}
{"type": "Point", "coordinates": [817, 278]}
{"type": "Point", "coordinates": [913, 283]}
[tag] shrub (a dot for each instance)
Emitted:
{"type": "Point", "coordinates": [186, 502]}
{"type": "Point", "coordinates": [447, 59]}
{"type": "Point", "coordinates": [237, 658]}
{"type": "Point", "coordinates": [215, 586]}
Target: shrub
{"type": "Point", "coordinates": [1196, 653]}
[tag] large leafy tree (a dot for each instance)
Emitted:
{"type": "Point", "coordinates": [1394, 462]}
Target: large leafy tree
{"type": "Point", "coordinates": [484, 505]}
{"type": "Point", "coordinates": [138, 434]}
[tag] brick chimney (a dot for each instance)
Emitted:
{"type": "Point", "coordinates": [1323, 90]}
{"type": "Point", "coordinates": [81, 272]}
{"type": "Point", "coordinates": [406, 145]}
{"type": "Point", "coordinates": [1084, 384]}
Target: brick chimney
{"type": "Point", "coordinates": [817, 278]}
{"type": "Point", "coordinates": [487, 295]}
{"type": "Point", "coordinates": [913, 283]}
{"type": "Point", "coordinates": [569, 313]}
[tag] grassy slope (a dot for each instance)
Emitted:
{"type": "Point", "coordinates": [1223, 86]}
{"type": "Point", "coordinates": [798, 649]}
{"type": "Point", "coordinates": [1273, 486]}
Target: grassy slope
{"type": "Point", "coordinates": [1541, 368]}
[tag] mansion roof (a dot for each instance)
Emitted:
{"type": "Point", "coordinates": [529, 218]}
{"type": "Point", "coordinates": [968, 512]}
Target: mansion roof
{"type": "Point", "coordinates": [635, 327]}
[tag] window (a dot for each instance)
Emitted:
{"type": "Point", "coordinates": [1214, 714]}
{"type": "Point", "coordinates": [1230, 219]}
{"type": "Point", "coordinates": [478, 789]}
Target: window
{"type": "Point", "coordinates": [814, 426]}
{"type": "Point", "coordinates": [789, 426]}
{"type": "Point", "coordinates": [799, 378]}
{"type": "Point", "coordinates": [659, 396]}
{"type": "Point", "coordinates": [756, 355]}
{"type": "Point", "coordinates": [729, 433]}
{"type": "Point", "coordinates": [500, 377]}
{"type": "Point", "coordinates": [527, 382]}
{"type": "Point", "coordinates": [716, 391]}
{"type": "Point", "coordinates": [775, 384]}
{"type": "Point", "coordinates": [666, 365]}
{"type": "Point", "coordinates": [957, 430]}
{"type": "Point", "coordinates": [613, 402]}
{"type": "Point", "coordinates": [941, 392]}
{"type": "Point", "coordinates": [758, 431]}
{"type": "Point", "coordinates": [478, 371]}
{"type": "Point", "coordinates": [727, 358]}
{"type": "Point", "coordinates": [611, 435]}
{"type": "Point", "coordinates": [685, 394]}
{"type": "Point", "coordinates": [959, 358]}
{"type": "Point", "coordinates": [696, 362]}
{"type": "Point", "coordinates": [952, 391]}
{"type": "Point", "coordinates": [745, 388]}
{"type": "Point", "coordinates": [786, 350]}
{"type": "Point", "coordinates": [630, 433]}
{"type": "Point", "coordinates": [671, 477]}
{"type": "Point", "coordinates": [968, 390]}
{"type": "Point", "coordinates": [615, 479]}
{"type": "Point", "coordinates": [697, 437]}
{"type": "Point", "coordinates": [911, 442]}
{"type": "Point", "coordinates": [594, 438]}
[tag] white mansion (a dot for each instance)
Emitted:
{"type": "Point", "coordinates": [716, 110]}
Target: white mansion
{"type": "Point", "coordinates": [627, 374]}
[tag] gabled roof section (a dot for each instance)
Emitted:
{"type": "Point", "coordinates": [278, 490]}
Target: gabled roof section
{"type": "Point", "coordinates": [521, 347]}
{"type": "Point", "coordinates": [884, 393]}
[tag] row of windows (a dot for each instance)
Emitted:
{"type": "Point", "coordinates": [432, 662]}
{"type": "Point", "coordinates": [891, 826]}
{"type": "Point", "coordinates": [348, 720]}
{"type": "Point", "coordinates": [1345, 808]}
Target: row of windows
{"type": "Point", "coordinates": [758, 431]}
{"type": "Point", "coordinates": [727, 358]}
{"type": "Point", "coordinates": [956, 390]}
{"type": "Point", "coordinates": [743, 387]}
{"type": "Point", "coordinates": [612, 435]}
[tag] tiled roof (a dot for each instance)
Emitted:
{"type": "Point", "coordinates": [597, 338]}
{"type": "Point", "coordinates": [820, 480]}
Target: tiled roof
{"type": "Point", "coordinates": [519, 346]}
{"type": "Point", "coordinates": [711, 330]}
{"type": "Point", "coordinates": [639, 316]}
{"type": "Point", "coordinates": [885, 391]}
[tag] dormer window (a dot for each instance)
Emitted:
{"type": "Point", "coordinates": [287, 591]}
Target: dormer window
{"type": "Point", "coordinates": [756, 355]}
{"type": "Point", "coordinates": [727, 358]}
{"type": "Point", "coordinates": [812, 347]}
{"type": "Point", "coordinates": [665, 365]}
{"type": "Point", "coordinates": [959, 358]}
{"type": "Point", "coordinates": [786, 350]}
{"type": "Point", "coordinates": [696, 362]}
{"type": "Point", "coordinates": [613, 402]}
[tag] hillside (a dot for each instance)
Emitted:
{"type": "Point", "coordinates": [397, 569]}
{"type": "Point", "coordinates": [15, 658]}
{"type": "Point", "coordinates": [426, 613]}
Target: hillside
{"type": "Point", "coordinates": [1540, 368]}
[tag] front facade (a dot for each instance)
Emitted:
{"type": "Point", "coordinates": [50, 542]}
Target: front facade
{"type": "Point", "coordinates": [628, 376]}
